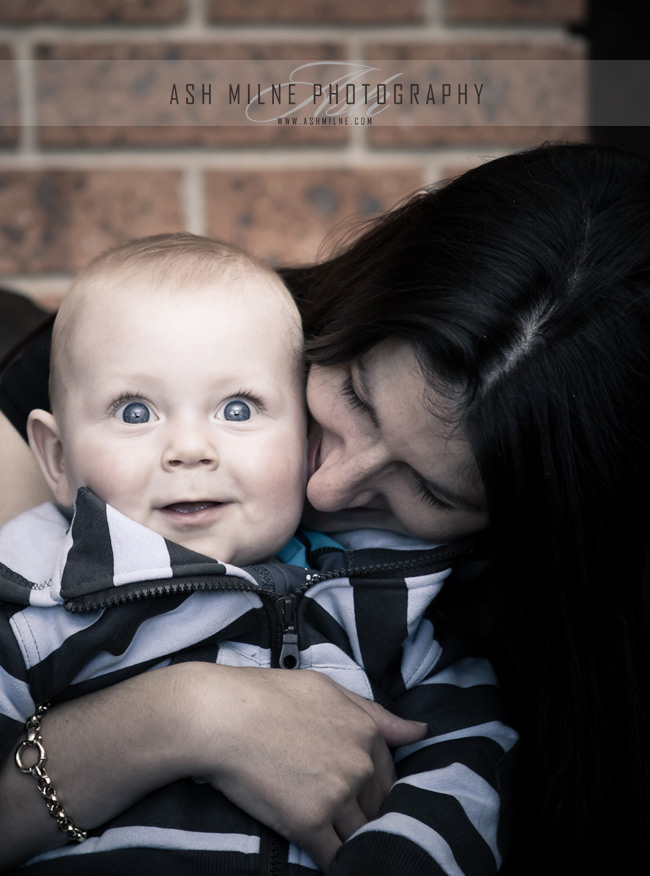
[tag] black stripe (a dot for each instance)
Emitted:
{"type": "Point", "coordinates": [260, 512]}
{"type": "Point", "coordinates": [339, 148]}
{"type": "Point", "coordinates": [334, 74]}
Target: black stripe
{"type": "Point", "coordinates": [380, 854]}
{"type": "Point", "coordinates": [188, 805]}
{"type": "Point", "coordinates": [188, 562]}
{"type": "Point", "coordinates": [91, 550]}
{"type": "Point", "coordinates": [382, 605]}
{"type": "Point", "coordinates": [447, 707]}
{"type": "Point", "coordinates": [113, 632]}
{"type": "Point", "coordinates": [444, 814]}
{"type": "Point", "coordinates": [317, 627]}
{"type": "Point", "coordinates": [480, 754]}
{"type": "Point", "coordinates": [148, 862]}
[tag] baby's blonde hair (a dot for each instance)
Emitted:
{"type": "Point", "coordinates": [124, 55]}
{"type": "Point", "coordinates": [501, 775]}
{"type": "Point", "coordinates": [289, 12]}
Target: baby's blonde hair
{"type": "Point", "coordinates": [182, 260]}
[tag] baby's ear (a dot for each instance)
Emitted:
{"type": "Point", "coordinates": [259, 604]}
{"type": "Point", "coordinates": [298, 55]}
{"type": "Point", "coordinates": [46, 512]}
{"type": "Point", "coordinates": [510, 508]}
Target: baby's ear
{"type": "Point", "coordinates": [45, 442]}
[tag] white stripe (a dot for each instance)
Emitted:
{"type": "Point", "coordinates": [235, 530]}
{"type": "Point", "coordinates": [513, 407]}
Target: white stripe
{"type": "Point", "coordinates": [17, 542]}
{"type": "Point", "coordinates": [468, 672]}
{"type": "Point", "coordinates": [356, 539]}
{"type": "Point", "coordinates": [202, 614]}
{"type": "Point", "coordinates": [40, 631]}
{"type": "Point", "coordinates": [139, 554]}
{"type": "Point", "coordinates": [425, 837]}
{"type": "Point", "coordinates": [420, 653]}
{"type": "Point", "coordinates": [39, 597]}
{"type": "Point", "coordinates": [243, 654]}
{"type": "Point", "coordinates": [421, 591]}
{"type": "Point", "coordinates": [337, 665]}
{"type": "Point", "coordinates": [478, 798]}
{"type": "Point", "coordinates": [143, 837]}
{"type": "Point", "coordinates": [336, 597]}
{"type": "Point", "coordinates": [495, 730]}
{"type": "Point", "coordinates": [240, 573]}
{"type": "Point", "coordinates": [15, 699]}
{"type": "Point", "coordinates": [300, 858]}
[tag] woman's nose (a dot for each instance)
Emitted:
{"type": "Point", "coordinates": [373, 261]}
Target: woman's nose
{"type": "Point", "coordinates": [347, 478]}
{"type": "Point", "coordinates": [189, 444]}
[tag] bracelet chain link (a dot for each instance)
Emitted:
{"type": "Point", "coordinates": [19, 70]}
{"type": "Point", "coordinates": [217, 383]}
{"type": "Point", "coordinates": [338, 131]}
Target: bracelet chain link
{"type": "Point", "coordinates": [43, 781]}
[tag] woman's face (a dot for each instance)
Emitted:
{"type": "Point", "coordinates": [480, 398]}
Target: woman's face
{"type": "Point", "coordinates": [380, 457]}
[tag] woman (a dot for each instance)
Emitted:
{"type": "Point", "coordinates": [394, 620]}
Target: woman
{"type": "Point", "coordinates": [523, 293]}
{"type": "Point", "coordinates": [485, 347]}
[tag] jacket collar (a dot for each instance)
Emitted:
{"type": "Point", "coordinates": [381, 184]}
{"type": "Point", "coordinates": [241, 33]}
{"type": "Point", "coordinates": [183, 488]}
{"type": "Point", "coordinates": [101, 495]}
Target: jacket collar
{"type": "Point", "coordinates": [47, 559]}
{"type": "Point", "coordinates": [100, 557]}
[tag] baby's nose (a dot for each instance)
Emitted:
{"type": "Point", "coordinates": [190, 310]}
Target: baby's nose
{"type": "Point", "coordinates": [190, 446]}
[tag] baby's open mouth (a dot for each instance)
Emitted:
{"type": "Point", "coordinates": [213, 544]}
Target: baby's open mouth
{"type": "Point", "coordinates": [190, 507]}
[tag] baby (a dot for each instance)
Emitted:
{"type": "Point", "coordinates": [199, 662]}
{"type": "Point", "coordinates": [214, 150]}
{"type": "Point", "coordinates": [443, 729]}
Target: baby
{"type": "Point", "coordinates": [178, 423]}
{"type": "Point", "coordinates": [177, 396]}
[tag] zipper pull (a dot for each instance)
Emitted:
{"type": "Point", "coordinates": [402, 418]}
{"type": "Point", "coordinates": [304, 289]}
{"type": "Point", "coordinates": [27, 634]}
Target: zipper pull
{"type": "Point", "coordinates": [289, 653]}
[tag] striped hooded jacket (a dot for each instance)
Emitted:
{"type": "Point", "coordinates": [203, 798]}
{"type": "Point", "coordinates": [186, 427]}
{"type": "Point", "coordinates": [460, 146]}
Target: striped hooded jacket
{"type": "Point", "coordinates": [88, 603]}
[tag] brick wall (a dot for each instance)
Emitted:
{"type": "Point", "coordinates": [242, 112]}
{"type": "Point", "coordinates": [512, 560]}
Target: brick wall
{"type": "Point", "coordinates": [67, 192]}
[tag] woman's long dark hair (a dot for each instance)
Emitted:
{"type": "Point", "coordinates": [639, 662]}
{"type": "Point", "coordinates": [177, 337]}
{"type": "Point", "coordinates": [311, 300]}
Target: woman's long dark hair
{"type": "Point", "coordinates": [524, 287]}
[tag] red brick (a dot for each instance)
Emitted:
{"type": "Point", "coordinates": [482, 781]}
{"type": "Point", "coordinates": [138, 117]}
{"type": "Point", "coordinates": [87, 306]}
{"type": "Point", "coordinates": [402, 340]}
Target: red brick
{"type": "Point", "coordinates": [201, 136]}
{"type": "Point", "coordinates": [283, 216]}
{"type": "Point", "coordinates": [94, 12]}
{"type": "Point", "coordinates": [9, 119]}
{"type": "Point", "coordinates": [503, 135]}
{"type": "Point", "coordinates": [317, 11]}
{"type": "Point", "coordinates": [273, 60]}
{"type": "Point", "coordinates": [506, 11]}
{"type": "Point", "coordinates": [55, 221]}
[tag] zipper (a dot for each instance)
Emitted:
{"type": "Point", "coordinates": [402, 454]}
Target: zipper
{"type": "Point", "coordinates": [166, 587]}
{"type": "Point", "coordinates": [398, 566]}
{"type": "Point", "coordinates": [285, 607]}
{"type": "Point", "coordinates": [278, 856]}
{"type": "Point", "coordinates": [163, 587]}
{"type": "Point", "coordinates": [274, 850]}
{"type": "Point", "coordinates": [274, 853]}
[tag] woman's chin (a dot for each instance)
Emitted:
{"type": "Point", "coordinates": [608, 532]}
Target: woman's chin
{"type": "Point", "coordinates": [349, 518]}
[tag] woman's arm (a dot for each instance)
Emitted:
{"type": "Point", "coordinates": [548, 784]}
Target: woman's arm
{"type": "Point", "coordinates": [23, 486]}
{"type": "Point", "coordinates": [294, 750]}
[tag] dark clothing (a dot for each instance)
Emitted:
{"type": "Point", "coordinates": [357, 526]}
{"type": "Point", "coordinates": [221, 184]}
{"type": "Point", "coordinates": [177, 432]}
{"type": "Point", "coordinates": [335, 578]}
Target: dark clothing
{"type": "Point", "coordinates": [104, 598]}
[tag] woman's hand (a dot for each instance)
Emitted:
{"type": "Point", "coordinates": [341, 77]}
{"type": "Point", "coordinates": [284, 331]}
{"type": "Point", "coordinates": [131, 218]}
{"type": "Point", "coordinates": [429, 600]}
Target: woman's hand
{"type": "Point", "coordinates": [293, 749]}
{"type": "Point", "coordinates": [319, 769]}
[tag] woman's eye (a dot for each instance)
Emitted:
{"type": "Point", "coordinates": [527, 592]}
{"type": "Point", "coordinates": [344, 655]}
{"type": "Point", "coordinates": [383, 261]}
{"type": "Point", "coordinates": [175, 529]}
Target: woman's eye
{"type": "Point", "coordinates": [237, 410]}
{"type": "Point", "coordinates": [428, 496]}
{"type": "Point", "coordinates": [134, 413]}
{"type": "Point", "coordinates": [351, 396]}
{"type": "Point", "coordinates": [356, 403]}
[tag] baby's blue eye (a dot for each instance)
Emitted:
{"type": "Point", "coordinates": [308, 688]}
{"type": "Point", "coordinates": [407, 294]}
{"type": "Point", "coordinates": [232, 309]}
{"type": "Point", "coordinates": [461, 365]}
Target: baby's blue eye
{"type": "Point", "coordinates": [239, 408]}
{"type": "Point", "coordinates": [236, 411]}
{"type": "Point", "coordinates": [135, 412]}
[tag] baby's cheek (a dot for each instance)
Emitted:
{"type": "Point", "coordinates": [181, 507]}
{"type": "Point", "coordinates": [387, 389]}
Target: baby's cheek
{"type": "Point", "coordinates": [117, 478]}
{"type": "Point", "coordinates": [283, 472]}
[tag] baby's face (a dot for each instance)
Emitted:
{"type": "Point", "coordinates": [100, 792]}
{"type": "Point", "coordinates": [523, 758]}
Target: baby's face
{"type": "Point", "coordinates": [187, 414]}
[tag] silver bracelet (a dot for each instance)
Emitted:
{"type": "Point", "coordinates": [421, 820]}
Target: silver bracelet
{"type": "Point", "coordinates": [43, 781]}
